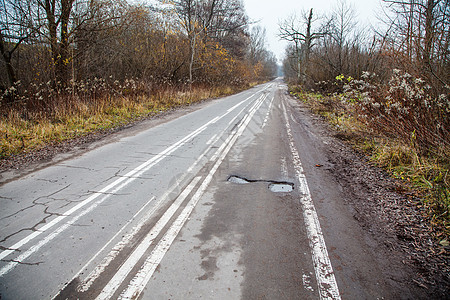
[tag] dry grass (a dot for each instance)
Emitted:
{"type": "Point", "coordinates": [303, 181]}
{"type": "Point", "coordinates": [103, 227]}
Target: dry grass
{"type": "Point", "coordinates": [425, 172]}
{"type": "Point", "coordinates": [47, 115]}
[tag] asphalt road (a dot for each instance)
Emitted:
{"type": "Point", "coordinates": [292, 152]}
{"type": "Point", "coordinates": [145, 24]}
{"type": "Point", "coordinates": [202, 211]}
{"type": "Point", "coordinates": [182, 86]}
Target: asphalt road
{"type": "Point", "coordinates": [229, 201]}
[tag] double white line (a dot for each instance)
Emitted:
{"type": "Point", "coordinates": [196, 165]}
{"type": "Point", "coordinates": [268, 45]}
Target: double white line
{"type": "Point", "coordinates": [140, 280]}
{"type": "Point", "coordinates": [89, 204]}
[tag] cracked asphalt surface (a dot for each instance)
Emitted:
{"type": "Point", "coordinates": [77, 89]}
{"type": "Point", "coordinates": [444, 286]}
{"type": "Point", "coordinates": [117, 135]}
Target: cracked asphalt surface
{"type": "Point", "coordinates": [152, 214]}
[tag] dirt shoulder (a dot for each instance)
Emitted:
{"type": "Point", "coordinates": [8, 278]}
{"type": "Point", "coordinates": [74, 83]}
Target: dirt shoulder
{"type": "Point", "coordinates": [389, 213]}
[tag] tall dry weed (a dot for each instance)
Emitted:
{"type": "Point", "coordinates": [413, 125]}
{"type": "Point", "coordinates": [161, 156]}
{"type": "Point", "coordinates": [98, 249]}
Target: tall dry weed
{"type": "Point", "coordinates": [403, 108]}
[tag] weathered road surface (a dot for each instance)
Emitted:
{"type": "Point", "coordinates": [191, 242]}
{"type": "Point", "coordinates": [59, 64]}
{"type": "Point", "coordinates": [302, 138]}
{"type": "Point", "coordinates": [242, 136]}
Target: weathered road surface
{"type": "Point", "coordinates": [155, 214]}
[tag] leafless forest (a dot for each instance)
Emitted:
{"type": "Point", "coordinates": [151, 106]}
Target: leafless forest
{"type": "Point", "coordinates": [400, 71]}
{"type": "Point", "coordinates": [70, 67]}
{"type": "Point", "coordinates": [386, 87]}
{"type": "Point", "coordinates": [52, 48]}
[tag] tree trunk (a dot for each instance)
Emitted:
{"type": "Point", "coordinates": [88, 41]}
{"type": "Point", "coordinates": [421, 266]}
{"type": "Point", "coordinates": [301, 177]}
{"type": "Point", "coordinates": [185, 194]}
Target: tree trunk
{"type": "Point", "coordinates": [191, 62]}
{"type": "Point", "coordinates": [299, 61]}
{"type": "Point", "coordinates": [59, 48]}
{"type": "Point", "coordinates": [307, 49]}
{"type": "Point", "coordinates": [7, 59]}
{"type": "Point", "coordinates": [429, 33]}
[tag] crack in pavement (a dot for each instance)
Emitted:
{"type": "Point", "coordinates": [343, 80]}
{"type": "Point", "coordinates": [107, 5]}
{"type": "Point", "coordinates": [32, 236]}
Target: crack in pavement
{"type": "Point", "coordinates": [21, 210]}
{"type": "Point", "coordinates": [112, 194]}
{"type": "Point", "coordinates": [3, 248]}
{"type": "Point", "coordinates": [138, 177]}
{"type": "Point", "coordinates": [76, 167]}
{"type": "Point", "coordinates": [52, 213]}
{"type": "Point", "coordinates": [68, 202]}
{"type": "Point", "coordinates": [35, 203]}
{"type": "Point", "coordinates": [22, 263]}
{"type": "Point", "coordinates": [163, 155]}
{"type": "Point", "coordinates": [6, 198]}
{"type": "Point", "coordinates": [47, 180]}
{"type": "Point", "coordinates": [243, 180]}
{"type": "Point", "coordinates": [15, 233]}
{"type": "Point", "coordinates": [117, 174]}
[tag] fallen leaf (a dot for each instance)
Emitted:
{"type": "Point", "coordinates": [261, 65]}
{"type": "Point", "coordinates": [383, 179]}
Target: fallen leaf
{"type": "Point", "coordinates": [444, 243]}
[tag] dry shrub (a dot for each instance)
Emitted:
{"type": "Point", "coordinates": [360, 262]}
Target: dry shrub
{"type": "Point", "coordinates": [404, 108]}
{"type": "Point", "coordinates": [401, 126]}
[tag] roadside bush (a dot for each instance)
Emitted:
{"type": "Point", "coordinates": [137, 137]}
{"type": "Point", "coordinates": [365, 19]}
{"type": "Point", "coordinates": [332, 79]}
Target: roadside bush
{"type": "Point", "coordinates": [403, 108]}
{"type": "Point", "coordinates": [401, 125]}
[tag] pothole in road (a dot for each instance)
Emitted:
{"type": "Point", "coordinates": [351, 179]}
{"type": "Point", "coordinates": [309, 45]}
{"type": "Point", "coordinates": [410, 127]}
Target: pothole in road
{"type": "Point", "coordinates": [281, 187]}
{"type": "Point", "coordinates": [274, 186]}
{"type": "Point", "coordinates": [238, 180]}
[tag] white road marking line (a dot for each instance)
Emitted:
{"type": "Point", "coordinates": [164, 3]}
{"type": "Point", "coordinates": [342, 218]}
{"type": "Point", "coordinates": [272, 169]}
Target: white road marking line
{"type": "Point", "coordinates": [110, 241]}
{"type": "Point", "coordinates": [261, 98]}
{"type": "Point", "coordinates": [128, 178]}
{"type": "Point", "coordinates": [284, 168]}
{"type": "Point", "coordinates": [87, 282]}
{"type": "Point", "coordinates": [109, 290]}
{"type": "Point", "coordinates": [293, 120]}
{"type": "Point", "coordinates": [268, 113]}
{"type": "Point", "coordinates": [141, 279]}
{"type": "Point", "coordinates": [327, 285]}
{"type": "Point", "coordinates": [307, 282]}
{"type": "Point", "coordinates": [211, 140]}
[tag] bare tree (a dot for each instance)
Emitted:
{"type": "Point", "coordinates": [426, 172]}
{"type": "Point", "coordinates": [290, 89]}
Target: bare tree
{"type": "Point", "coordinates": [257, 43]}
{"type": "Point", "coordinates": [421, 29]}
{"type": "Point", "coordinates": [203, 19]}
{"type": "Point", "coordinates": [16, 27]}
{"type": "Point", "coordinates": [340, 26]}
{"type": "Point", "coordinates": [53, 23]}
{"type": "Point", "coordinates": [293, 30]}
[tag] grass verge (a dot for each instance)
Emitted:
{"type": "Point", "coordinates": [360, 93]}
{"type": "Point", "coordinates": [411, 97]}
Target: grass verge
{"type": "Point", "coordinates": [427, 176]}
{"type": "Point", "coordinates": [24, 129]}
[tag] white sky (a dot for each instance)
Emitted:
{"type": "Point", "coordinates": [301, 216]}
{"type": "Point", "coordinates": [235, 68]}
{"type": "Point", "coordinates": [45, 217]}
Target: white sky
{"type": "Point", "coordinates": [270, 12]}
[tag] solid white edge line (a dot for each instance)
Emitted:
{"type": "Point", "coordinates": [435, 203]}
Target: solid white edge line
{"type": "Point", "coordinates": [326, 281]}
{"type": "Point", "coordinates": [268, 113]}
{"type": "Point", "coordinates": [111, 287]}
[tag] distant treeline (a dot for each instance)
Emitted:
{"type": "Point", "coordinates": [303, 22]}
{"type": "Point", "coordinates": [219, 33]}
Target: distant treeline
{"type": "Point", "coordinates": [184, 42]}
{"type": "Point", "coordinates": [412, 36]}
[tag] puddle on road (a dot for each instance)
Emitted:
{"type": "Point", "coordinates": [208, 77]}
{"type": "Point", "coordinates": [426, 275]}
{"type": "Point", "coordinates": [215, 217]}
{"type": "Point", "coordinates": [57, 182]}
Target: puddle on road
{"type": "Point", "coordinates": [274, 186]}
{"type": "Point", "coordinates": [281, 187]}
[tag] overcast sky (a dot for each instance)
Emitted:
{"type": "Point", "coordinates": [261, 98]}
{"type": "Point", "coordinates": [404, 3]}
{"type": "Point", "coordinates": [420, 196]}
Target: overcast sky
{"type": "Point", "coordinates": [270, 12]}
